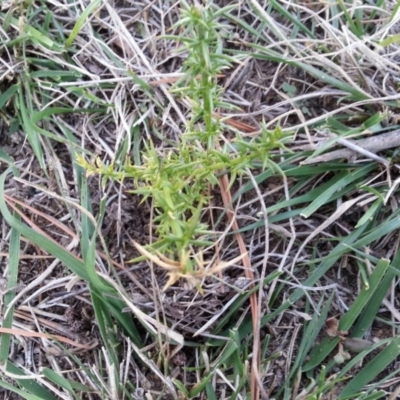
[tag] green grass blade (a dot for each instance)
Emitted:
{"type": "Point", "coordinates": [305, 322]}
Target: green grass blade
{"type": "Point", "coordinates": [52, 111]}
{"type": "Point", "coordinates": [370, 212]}
{"type": "Point", "coordinates": [349, 19]}
{"type": "Point", "coordinates": [20, 392]}
{"type": "Point", "coordinates": [321, 75]}
{"type": "Point", "coordinates": [87, 225]}
{"type": "Point", "coordinates": [365, 296]}
{"type": "Point", "coordinates": [321, 351]}
{"type": "Point", "coordinates": [347, 178]}
{"type": "Point", "coordinates": [211, 392]}
{"type": "Point", "coordinates": [32, 35]}
{"type": "Point", "coordinates": [66, 384]}
{"type": "Point", "coordinates": [374, 396]}
{"type": "Point", "coordinates": [372, 369]}
{"type": "Point", "coordinates": [31, 131]}
{"type": "Point", "coordinates": [81, 21]}
{"type": "Point", "coordinates": [370, 311]}
{"type": "Point", "coordinates": [33, 389]}
{"type": "Point", "coordinates": [379, 231]}
{"type": "Point", "coordinates": [105, 324]}
{"type": "Point", "coordinates": [225, 355]}
{"type": "Point", "coordinates": [8, 94]}
{"type": "Point", "coordinates": [11, 287]}
{"type": "Point", "coordinates": [292, 18]}
{"type": "Point", "coordinates": [311, 331]}
{"type": "Point", "coordinates": [76, 265]}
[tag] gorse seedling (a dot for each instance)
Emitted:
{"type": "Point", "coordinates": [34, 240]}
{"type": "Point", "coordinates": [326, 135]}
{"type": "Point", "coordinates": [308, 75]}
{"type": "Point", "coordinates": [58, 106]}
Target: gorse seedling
{"type": "Point", "coordinates": [205, 61]}
{"type": "Point", "coordinates": [177, 179]}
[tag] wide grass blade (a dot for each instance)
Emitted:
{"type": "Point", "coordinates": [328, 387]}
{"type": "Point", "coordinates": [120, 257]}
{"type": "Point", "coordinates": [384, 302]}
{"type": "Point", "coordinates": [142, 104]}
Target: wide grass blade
{"type": "Point", "coordinates": [372, 369]}
{"type": "Point", "coordinates": [346, 179]}
{"type": "Point", "coordinates": [321, 351]}
{"type": "Point", "coordinates": [21, 393]}
{"type": "Point", "coordinates": [366, 319]}
{"type": "Point", "coordinates": [33, 390]}
{"type": "Point", "coordinates": [66, 384]}
{"type": "Point", "coordinates": [365, 296]}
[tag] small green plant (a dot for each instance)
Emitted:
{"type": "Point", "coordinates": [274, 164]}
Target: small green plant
{"type": "Point", "coordinates": [177, 179]}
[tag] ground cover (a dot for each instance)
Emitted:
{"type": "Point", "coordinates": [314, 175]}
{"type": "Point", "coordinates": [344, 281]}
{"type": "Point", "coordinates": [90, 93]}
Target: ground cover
{"type": "Point", "coordinates": [199, 200]}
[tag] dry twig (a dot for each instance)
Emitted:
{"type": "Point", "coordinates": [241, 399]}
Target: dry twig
{"type": "Point", "coordinates": [372, 144]}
